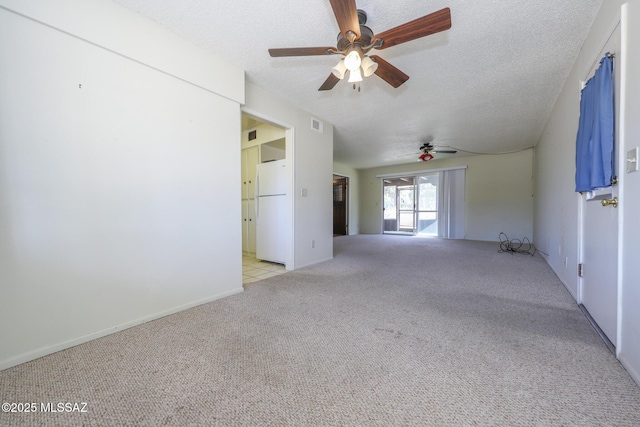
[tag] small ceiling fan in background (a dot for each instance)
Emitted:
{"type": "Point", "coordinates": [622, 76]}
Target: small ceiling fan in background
{"type": "Point", "coordinates": [428, 149]}
{"type": "Point", "coordinates": [355, 40]}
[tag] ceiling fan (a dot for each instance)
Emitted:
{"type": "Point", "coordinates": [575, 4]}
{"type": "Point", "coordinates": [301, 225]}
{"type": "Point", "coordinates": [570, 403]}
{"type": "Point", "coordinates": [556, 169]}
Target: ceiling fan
{"type": "Point", "coordinates": [355, 40]}
{"type": "Point", "coordinates": [427, 150]}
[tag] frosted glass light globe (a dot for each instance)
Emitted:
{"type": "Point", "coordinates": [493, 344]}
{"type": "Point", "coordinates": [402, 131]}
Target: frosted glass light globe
{"type": "Point", "coordinates": [352, 61]}
{"type": "Point", "coordinates": [355, 76]}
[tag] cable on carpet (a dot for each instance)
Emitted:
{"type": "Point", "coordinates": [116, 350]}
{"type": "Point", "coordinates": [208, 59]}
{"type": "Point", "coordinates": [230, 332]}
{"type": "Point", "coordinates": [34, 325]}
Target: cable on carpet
{"type": "Point", "coordinates": [516, 246]}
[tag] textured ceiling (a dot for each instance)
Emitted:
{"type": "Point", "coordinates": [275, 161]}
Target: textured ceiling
{"type": "Point", "coordinates": [486, 85]}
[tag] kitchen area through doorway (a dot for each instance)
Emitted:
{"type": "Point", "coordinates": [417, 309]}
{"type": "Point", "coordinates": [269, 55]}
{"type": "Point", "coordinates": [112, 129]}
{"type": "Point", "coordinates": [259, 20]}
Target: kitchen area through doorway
{"type": "Point", "coordinates": [264, 187]}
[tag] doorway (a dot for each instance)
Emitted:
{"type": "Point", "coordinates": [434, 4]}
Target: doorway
{"type": "Point", "coordinates": [410, 205]}
{"type": "Point", "coordinates": [340, 205]}
{"type": "Point", "coordinates": [398, 205]}
{"type": "Point", "coordinates": [261, 142]}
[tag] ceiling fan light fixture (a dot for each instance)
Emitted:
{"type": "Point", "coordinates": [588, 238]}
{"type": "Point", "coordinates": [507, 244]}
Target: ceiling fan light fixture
{"type": "Point", "coordinates": [339, 70]}
{"type": "Point", "coordinates": [355, 76]}
{"type": "Point", "coordinates": [425, 157]}
{"type": "Point", "coordinates": [369, 66]}
{"type": "Point", "coordinates": [352, 61]}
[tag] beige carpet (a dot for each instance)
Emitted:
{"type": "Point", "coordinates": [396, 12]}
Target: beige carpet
{"type": "Point", "coordinates": [393, 331]}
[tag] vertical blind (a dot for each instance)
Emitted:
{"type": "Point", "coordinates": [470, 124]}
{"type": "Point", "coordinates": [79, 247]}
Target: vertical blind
{"type": "Point", "coordinates": [451, 208]}
{"type": "Point", "coordinates": [596, 130]}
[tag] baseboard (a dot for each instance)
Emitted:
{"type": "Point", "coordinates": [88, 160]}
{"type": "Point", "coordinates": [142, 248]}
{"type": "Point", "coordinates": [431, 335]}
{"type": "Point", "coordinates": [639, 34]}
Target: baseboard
{"type": "Point", "coordinates": [546, 259]}
{"type": "Point", "coordinates": [313, 263]}
{"type": "Point", "coordinates": [635, 375]}
{"type": "Point", "coordinates": [594, 324]}
{"type": "Point", "coordinates": [44, 351]}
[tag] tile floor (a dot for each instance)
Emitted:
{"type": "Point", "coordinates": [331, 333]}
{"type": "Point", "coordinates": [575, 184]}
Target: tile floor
{"type": "Point", "coordinates": [254, 269]}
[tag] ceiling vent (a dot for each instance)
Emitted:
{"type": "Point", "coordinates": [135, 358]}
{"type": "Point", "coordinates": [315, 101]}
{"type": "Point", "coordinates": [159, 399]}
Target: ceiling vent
{"type": "Point", "coordinates": [316, 125]}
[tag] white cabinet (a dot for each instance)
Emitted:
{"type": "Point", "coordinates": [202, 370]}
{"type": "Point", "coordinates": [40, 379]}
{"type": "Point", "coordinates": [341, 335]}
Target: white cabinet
{"type": "Point", "coordinates": [248, 226]}
{"type": "Point", "coordinates": [250, 159]}
{"type": "Point", "coordinates": [273, 150]}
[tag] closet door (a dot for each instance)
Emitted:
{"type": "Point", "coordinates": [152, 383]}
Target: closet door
{"type": "Point", "coordinates": [251, 226]}
{"type": "Point", "coordinates": [250, 161]}
{"type": "Point", "coordinates": [245, 226]}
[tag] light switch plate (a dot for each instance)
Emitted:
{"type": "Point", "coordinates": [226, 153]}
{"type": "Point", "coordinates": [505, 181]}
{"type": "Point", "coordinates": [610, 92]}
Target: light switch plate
{"type": "Point", "coordinates": [632, 160]}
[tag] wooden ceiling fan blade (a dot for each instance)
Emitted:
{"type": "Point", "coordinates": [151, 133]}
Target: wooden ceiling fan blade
{"type": "Point", "coordinates": [329, 83]}
{"type": "Point", "coordinates": [445, 151]}
{"type": "Point", "coordinates": [388, 72]}
{"type": "Point", "coordinates": [301, 51]}
{"type": "Point", "coordinates": [347, 16]}
{"type": "Point", "coordinates": [429, 24]}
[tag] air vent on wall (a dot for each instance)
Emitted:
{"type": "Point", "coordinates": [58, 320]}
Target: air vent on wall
{"type": "Point", "coordinates": [316, 125]}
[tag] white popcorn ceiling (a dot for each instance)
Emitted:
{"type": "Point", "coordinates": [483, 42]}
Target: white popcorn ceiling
{"type": "Point", "coordinates": [486, 85]}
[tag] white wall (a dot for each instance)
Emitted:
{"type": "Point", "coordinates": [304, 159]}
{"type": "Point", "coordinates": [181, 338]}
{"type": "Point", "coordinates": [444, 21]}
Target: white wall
{"type": "Point", "coordinates": [264, 133]}
{"type": "Point", "coordinates": [310, 157]}
{"type": "Point", "coordinates": [354, 191]}
{"type": "Point", "coordinates": [498, 194]}
{"type": "Point", "coordinates": [113, 170]}
{"type": "Point", "coordinates": [556, 203]}
{"type": "Point", "coordinates": [126, 33]}
{"type": "Point", "coordinates": [629, 347]}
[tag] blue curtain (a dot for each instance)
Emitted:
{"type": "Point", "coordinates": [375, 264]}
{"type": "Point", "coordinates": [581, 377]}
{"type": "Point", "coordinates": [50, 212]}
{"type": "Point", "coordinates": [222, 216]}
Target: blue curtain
{"type": "Point", "coordinates": [596, 130]}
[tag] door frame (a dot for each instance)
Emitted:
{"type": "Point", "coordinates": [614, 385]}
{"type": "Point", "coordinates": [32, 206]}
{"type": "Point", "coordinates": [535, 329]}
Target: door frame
{"type": "Point", "coordinates": [290, 156]}
{"type": "Point", "coordinates": [397, 205]}
{"type": "Point", "coordinates": [346, 197]}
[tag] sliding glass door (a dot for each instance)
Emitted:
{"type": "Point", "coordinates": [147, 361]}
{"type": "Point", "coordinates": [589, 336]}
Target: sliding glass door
{"type": "Point", "coordinates": [411, 205]}
{"type": "Point", "coordinates": [427, 206]}
{"type": "Point", "coordinates": [399, 200]}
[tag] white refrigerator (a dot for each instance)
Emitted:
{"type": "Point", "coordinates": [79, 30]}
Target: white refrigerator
{"type": "Point", "coordinates": [271, 215]}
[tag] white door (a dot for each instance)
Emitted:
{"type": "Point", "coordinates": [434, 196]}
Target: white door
{"type": "Point", "coordinates": [599, 285]}
{"type": "Point", "coordinates": [248, 226]}
{"type": "Point", "coordinates": [251, 226]}
{"type": "Point", "coordinates": [599, 282]}
{"type": "Point", "coordinates": [249, 163]}
{"type": "Point", "coordinates": [245, 226]}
